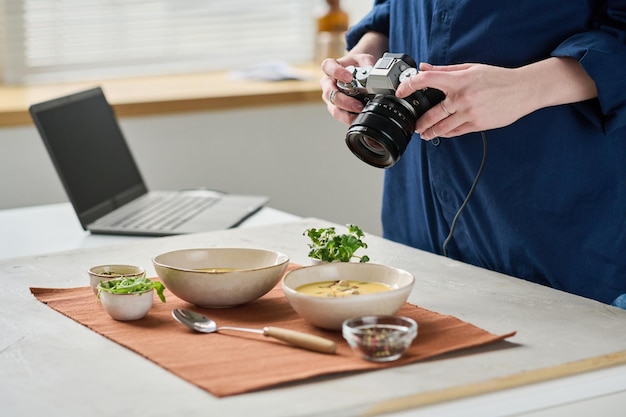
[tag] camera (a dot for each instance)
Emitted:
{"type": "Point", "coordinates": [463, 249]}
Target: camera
{"type": "Point", "coordinates": [380, 134]}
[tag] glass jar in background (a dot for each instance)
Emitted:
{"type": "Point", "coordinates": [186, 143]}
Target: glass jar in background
{"type": "Point", "coordinates": [332, 24]}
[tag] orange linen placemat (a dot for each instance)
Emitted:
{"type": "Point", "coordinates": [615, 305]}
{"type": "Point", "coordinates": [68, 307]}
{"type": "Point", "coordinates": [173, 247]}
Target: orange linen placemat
{"type": "Point", "coordinates": [231, 363]}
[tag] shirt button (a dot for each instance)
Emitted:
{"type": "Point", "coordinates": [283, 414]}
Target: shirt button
{"type": "Point", "coordinates": [435, 141]}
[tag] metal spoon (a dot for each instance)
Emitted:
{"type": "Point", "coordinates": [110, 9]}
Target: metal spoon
{"type": "Point", "coordinates": [200, 323]}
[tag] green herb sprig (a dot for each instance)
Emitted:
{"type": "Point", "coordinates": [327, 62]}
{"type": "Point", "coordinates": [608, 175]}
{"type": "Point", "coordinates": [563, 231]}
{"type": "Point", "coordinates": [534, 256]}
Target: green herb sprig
{"type": "Point", "coordinates": [328, 246]}
{"type": "Point", "coordinates": [131, 285]}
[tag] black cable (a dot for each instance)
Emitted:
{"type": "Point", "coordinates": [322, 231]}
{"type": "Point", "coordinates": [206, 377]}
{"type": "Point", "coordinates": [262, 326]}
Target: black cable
{"type": "Point", "coordinates": [467, 197]}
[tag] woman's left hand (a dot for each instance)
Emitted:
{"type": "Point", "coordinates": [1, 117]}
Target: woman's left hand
{"type": "Point", "coordinates": [481, 97]}
{"type": "Point", "coordinates": [478, 97]}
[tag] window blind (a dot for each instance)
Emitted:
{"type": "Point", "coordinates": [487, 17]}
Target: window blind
{"type": "Point", "coordinates": [62, 40]}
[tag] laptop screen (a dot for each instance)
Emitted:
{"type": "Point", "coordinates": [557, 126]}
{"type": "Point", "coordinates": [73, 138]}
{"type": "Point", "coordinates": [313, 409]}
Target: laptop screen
{"type": "Point", "coordinates": [89, 152]}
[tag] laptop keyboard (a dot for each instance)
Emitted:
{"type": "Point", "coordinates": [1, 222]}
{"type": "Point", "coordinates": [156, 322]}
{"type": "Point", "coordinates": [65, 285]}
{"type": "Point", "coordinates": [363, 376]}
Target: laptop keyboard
{"type": "Point", "coordinates": [162, 213]}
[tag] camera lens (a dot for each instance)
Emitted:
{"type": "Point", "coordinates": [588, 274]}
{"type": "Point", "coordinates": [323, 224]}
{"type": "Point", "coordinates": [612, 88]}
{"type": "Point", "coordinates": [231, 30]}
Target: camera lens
{"type": "Point", "coordinates": [380, 134]}
{"type": "Point", "coordinates": [373, 146]}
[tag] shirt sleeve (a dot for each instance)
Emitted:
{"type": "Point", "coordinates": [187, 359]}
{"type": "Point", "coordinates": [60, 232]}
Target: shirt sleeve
{"type": "Point", "coordinates": [377, 20]}
{"type": "Point", "coordinates": [602, 53]}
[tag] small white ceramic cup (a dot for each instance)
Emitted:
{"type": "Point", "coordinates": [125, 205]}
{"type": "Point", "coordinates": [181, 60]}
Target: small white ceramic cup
{"type": "Point", "coordinates": [126, 307]}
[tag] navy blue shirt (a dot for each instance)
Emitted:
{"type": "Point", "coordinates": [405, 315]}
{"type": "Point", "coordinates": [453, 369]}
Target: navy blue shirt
{"type": "Point", "coordinates": [550, 206]}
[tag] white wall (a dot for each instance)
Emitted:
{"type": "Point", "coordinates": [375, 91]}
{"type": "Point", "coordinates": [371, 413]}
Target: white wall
{"type": "Point", "coordinates": [295, 154]}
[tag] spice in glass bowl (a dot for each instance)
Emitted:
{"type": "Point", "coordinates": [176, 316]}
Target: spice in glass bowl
{"type": "Point", "coordinates": [380, 338]}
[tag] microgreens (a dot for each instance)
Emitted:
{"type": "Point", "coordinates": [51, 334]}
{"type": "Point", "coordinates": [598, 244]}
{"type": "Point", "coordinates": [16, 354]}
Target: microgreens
{"type": "Point", "coordinates": [131, 285]}
{"type": "Point", "coordinates": [328, 246]}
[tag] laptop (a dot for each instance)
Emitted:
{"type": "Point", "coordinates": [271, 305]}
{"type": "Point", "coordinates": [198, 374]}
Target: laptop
{"type": "Point", "coordinates": [103, 182]}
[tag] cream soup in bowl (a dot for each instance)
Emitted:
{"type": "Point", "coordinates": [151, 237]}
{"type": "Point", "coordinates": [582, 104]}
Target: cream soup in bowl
{"type": "Point", "coordinates": [342, 288]}
{"type": "Point", "coordinates": [329, 312]}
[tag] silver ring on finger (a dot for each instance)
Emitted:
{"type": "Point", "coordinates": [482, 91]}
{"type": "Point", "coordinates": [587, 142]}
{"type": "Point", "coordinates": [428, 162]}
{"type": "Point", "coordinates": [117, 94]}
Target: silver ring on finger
{"type": "Point", "coordinates": [434, 132]}
{"type": "Point", "coordinates": [331, 97]}
{"type": "Point", "coordinates": [444, 109]}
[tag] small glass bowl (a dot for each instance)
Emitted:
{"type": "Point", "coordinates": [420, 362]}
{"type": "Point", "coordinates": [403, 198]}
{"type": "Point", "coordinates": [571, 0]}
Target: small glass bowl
{"type": "Point", "coordinates": [380, 338]}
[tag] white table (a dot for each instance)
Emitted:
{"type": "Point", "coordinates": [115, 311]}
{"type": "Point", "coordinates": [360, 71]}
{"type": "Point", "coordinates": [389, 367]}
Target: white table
{"type": "Point", "coordinates": [55, 227]}
{"type": "Point", "coordinates": [49, 365]}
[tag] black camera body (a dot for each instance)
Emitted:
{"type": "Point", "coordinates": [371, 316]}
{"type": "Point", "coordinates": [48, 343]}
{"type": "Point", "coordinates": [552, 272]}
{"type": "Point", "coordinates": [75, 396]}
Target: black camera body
{"type": "Point", "coordinates": [380, 134]}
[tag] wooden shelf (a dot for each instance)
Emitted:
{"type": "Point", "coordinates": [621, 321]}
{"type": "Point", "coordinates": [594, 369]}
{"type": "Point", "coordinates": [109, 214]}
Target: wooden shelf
{"type": "Point", "coordinates": [166, 94]}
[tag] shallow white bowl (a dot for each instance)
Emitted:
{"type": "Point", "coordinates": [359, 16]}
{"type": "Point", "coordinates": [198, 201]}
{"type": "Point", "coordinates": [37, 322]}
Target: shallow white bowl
{"type": "Point", "coordinates": [113, 271]}
{"type": "Point", "coordinates": [126, 307]}
{"type": "Point", "coordinates": [330, 312]}
{"type": "Point", "coordinates": [256, 272]}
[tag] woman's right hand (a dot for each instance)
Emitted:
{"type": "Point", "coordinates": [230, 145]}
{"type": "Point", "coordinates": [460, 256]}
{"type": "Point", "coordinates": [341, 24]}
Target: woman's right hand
{"type": "Point", "coordinates": [370, 47]}
{"type": "Point", "coordinates": [341, 106]}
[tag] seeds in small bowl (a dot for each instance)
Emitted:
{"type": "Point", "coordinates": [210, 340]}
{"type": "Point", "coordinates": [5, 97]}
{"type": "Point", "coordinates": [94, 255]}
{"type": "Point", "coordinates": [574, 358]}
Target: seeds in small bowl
{"type": "Point", "coordinates": [380, 338]}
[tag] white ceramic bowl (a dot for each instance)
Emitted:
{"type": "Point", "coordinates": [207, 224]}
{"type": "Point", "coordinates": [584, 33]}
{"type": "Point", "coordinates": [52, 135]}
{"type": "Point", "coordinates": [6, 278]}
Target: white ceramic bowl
{"type": "Point", "coordinates": [186, 273]}
{"type": "Point", "coordinates": [330, 312]}
{"type": "Point", "coordinates": [107, 272]}
{"type": "Point", "coordinates": [126, 307]}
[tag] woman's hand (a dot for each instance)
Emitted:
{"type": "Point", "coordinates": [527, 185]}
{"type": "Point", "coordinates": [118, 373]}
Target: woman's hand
{"type": "Point", "coordinates": [481, 97]}
{"type": "Point", "coordinates": [341, 106]}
